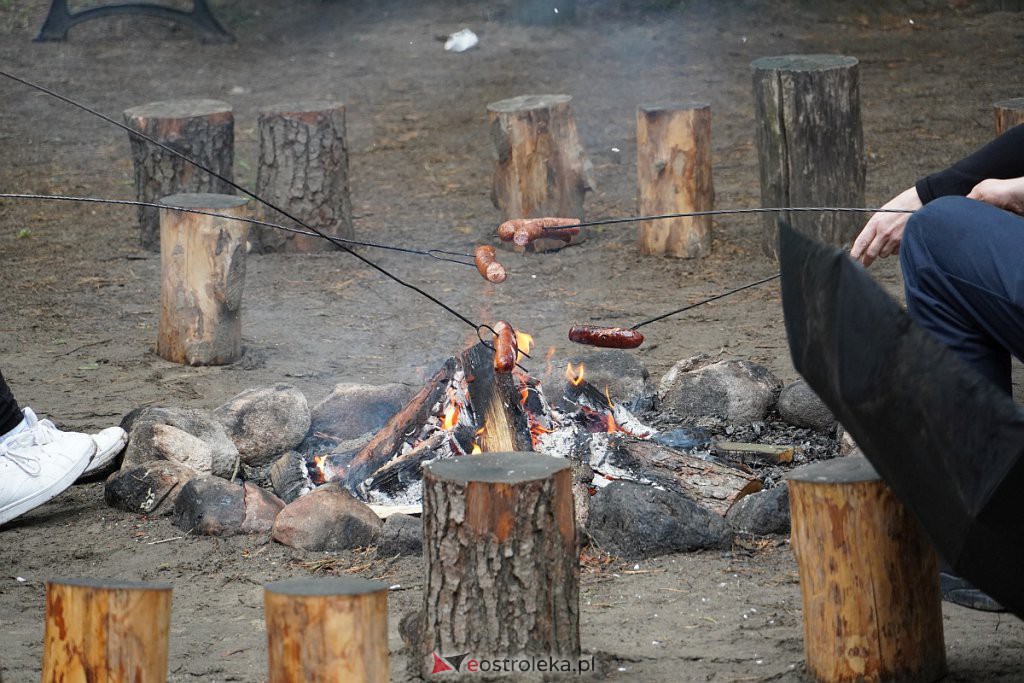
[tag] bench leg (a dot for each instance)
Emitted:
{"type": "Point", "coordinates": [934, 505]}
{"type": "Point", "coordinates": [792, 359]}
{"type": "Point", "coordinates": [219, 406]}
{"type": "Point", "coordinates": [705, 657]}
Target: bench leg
{"type": "Point", "coordinates": [201, 18]}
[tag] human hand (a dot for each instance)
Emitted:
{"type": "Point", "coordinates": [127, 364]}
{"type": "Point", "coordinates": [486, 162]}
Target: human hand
{"type": "Point", "coordinates": [1006, 194]}
{"type": "Point", "coordinates": [882, 234]}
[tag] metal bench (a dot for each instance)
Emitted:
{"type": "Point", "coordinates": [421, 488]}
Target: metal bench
{"type": "Point", "coordinates": [60, 19]}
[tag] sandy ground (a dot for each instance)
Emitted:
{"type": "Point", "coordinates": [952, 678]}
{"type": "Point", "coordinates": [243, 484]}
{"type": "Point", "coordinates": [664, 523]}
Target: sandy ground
{"type": "Point", "coordinates": [79, 312]}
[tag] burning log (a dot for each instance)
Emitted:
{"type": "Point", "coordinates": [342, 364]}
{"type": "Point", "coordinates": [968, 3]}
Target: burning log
{"type": "Point", "coordinates": [810, 144]}
{"type": "Point", "coordinates": [511, 513]}
{"type": "Point", "coordinates": [853, 538]}
{"type": "Point", "coordinates": [541, 168]}
{"type": "Point", "coordinates": [673, 165]}
{"type": "Point", "coordinates": [1008, 113]}
{"type": "Point", "coordinates": [203, 130]}
{"type": "Point", "coordinates": [714, 486]}
{"type": "Point", "coordinates": [202, 264]}
{"type": "Point", "coordinates": [303, 168]}
{"type": "Point", "coordinates": [466, 406]}
{"type": "Point", "coordinates": [323, 630]}
{"type": "Point", "coordinates": [106, 631]}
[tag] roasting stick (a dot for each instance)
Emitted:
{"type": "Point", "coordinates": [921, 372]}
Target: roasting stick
{"type": "Point", "coordinates": [131, 131]}
{"type": "Point", "coordinates": [433, 253]}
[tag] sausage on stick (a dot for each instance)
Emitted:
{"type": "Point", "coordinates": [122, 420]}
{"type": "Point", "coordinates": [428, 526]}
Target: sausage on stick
{"type": "Point", "coordinates": [505, 349]}
{"type": "Point", "coordinates": [487, 264]}
{"type": "Point", "coordinates": [606, 337]}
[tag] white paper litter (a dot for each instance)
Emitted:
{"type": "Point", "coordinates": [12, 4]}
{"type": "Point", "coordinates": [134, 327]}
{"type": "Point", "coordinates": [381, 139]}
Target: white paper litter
{"type": "Point", "coordinates": [460, 41]}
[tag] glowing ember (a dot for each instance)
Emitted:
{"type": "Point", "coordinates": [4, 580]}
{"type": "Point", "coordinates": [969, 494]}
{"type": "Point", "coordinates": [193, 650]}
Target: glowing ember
{"type": "Point", "coordinates": [574, 375]}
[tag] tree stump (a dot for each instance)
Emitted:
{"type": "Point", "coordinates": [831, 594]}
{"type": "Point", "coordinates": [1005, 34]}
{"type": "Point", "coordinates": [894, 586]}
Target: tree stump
{"type": "Point", "coordinates": [810, 145]}
{"type": "Point", "coordinates": [106, 631]}
{"type": "Point", "coordinates": [541, 168]}
{"type": "Point", "coordinates": [202, 266]}
{"type": "Point", "coordinates": [499, 539]}
{"type": "Point", "coordinates": [869, 578]}
{"type": "Point", "coordinates": [1008, 113]}
{"type": "Point", "coordinates": [203, 130]}
{"type": "Point", "coordinates": [327, 630]}
{"type": "Point", "coordinates": [673, 168]}
{"type": "Point", "coordinates": [303, 168]}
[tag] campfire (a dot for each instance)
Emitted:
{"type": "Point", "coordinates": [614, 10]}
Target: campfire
{"type": "Point", "coordinates": [468, 408]}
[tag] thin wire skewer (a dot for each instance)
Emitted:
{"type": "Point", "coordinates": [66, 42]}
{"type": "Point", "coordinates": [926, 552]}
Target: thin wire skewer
{"type": "Point", "coordinates": [432, 253]}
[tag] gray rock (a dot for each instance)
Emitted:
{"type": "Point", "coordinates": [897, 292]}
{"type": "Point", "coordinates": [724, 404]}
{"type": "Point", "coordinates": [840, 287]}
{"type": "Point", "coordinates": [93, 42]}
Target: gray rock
{"type": "Point", "coordinates": [327, 518]}
{"type": "Point", "coordinates": [163, 434]}
{"type": "Point", "coordinates": [148, 488]}
{"type": "Point", "coordinates": [351, 411]}
{"type": "Point", "coordinates": [763, 513]}
{"type": "Point", "coordinates": [635, 521]}
{"type": "Point", "coordinates": [400, 535]}
{"type": "Point", "coordinates": [800, 406]}
{"type": "Point", "coordinates": [625, 376]}
{"type": "Point", "coordinates": [265, 422]}
{"type": "Point", "coordinates": [210, 506]}
{"type": "Point", "coordinates": [738, 391]}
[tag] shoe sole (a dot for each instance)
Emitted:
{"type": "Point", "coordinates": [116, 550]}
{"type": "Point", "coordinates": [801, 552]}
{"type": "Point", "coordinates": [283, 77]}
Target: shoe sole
{"type": "Point", "coordinates": [22, 506]}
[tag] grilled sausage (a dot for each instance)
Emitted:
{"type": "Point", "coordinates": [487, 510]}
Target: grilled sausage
{"type": "Point", "coordinates": [606, 337]}
{"type": "Point", "coordinates": [505, 349]}
{"type": "Point", "coordinates": [522, 231]}
{"type": "Point", "coordinates": [488, 266]}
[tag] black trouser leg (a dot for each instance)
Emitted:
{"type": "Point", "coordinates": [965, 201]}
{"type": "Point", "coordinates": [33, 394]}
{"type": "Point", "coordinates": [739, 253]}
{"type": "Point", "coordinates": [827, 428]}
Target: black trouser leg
{"type": "Point", "coordinates": [10, 413]}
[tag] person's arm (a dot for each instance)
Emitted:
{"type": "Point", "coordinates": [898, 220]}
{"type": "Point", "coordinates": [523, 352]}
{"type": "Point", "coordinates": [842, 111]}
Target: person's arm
{"type": "Point", "coordinates": [1001, 158]}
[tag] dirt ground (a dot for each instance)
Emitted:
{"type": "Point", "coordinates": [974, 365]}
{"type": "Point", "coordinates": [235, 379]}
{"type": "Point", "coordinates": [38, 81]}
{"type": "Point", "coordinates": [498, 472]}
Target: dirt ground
{"type": "Point", "coordinates": [80, 298]}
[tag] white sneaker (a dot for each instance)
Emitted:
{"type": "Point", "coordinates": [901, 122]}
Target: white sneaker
{"type": "Point", "coordinates": [37, 463]}
{"type": "Point", "coordinates": [109, 444]}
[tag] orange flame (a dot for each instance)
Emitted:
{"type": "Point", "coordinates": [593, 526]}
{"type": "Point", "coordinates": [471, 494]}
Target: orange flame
{"type": "Point", "coordinates": [524, 342]}
{"type": "Point", "coordinates": [612, 424]}
{"type": "Point", "coordinates": [574, 375]}
{"type": "Point", "coordinates": [609, 397]}
{"type": "Point", "coordinates": [451, 417]}
{"type": "Point", "coordinates": [524, 394]}
{"type": "Point", "coordinates": [477, 449]}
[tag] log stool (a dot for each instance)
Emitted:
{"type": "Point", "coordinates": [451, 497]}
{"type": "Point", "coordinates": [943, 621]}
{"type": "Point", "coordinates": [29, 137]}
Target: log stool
{"type": "Point", "coordinates": [499, 539]}
{"type": "Point", "coordinates": [540, 167]}
{"type": "Point", "coordinates": [673, 169]}
{"type": "Point", "coordinates": [202, 266]}
{"type": "Point", "coordinates": [869, 579]}
{"type": "Point", "coordinates": [810, 144]}
{"type": "Point", "coordinates": [1008, 113]}
{"type": "Point", "coordinates": [303, 168]}
{"type": "Point", "coordinates": [203, 130]}
{"type": "Point", "coordinates": [106, 631]}
{"type": "Point", "coordinates": [327, 630]}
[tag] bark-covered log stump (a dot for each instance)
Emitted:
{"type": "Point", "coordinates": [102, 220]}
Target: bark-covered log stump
{"type": "Point", "coordinates": [303, 169]}
{"type": "Point", "coordinates": [1008, 113]}
{"type": "Point", "coordinates": [203, 130]}
{"type": "Point", "coordinates": [499, 539]}
{"type": "Point", "coordinates": [540, 166]}
{"type": "Point", "coordinates": [673, 168]}
{"type": "Point", "coordinates": [202, 266]}
{"type": "Point", "coordinates": [869, 578]}
{"type": "Point", "coordinates": [327, 630]}
{"type": "Point", "coordinates": [810, 144]}
{"type": "Point", "coordinates": [106, 631]}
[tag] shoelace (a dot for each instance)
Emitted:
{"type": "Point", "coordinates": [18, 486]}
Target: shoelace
{"type": "Point", "coordinates": [38, 434]}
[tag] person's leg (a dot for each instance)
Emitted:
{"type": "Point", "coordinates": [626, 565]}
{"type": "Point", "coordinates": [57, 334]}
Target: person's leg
{"type": "Point", "coordinates": [10, 412]}
{"type": "Point", "coordinates": [964, 283]}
